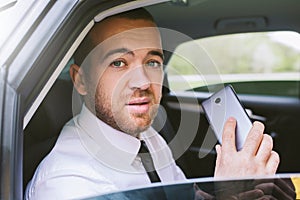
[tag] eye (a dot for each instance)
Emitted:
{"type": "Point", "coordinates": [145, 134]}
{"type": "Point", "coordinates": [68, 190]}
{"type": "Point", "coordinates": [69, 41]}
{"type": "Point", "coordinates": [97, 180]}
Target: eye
{"type": "Point", "coordinates": [154, 64]}
{"type": "Point", "coordinates": [117, 64]}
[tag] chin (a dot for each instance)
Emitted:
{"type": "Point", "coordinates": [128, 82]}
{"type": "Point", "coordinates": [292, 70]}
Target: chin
{"type": "Point", "coordinates": [137, 129]}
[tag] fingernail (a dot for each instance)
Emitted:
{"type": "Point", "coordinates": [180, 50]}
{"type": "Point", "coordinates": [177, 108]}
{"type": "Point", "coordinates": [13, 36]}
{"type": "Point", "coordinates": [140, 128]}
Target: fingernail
{"type": "Point", "coordinates": [258, 124]}
{"type": "Point", "coordinates": [231, 119]}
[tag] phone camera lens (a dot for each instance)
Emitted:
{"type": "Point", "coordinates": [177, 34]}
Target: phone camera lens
{"type": "Point", "coordinates": [218, 100]}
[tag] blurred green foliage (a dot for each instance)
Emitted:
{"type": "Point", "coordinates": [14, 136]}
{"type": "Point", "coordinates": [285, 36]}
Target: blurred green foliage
{"type": "Point", "coordinates": [238, 53]}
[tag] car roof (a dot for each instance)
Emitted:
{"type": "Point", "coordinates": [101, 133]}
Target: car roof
{"type": "Point", "coordinates": [212, 17]}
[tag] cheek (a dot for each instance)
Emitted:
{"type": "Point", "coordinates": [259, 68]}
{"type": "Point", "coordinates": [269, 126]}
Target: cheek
{"type": "Point", "coordinates": [157, 89]}
{"type": "Point", "coordinates": [156, 85]}
{"type": "Point", "coordinates": [156, 75]}
{"type": "Point", "coordinates": [111, 87]}
{"type": "Point", "coordinates": [105, 88]}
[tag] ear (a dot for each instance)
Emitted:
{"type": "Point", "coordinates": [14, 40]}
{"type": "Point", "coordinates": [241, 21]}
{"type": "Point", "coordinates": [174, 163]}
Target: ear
{"type": "Point", "coordinates": [77, 77]}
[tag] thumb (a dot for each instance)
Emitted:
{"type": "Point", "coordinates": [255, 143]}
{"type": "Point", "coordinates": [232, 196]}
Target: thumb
{"type": "Point", "coordinates": [219, 152]}
{"type": "Point", "coordinates": [218, 149]}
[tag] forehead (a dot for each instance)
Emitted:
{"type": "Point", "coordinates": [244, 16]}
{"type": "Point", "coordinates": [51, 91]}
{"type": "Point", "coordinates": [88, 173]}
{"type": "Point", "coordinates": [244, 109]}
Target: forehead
{"type": "Point", "coordinates": [133, 33]}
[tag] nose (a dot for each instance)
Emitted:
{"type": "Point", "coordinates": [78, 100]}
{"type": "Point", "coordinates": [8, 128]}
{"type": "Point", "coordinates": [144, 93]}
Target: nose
{"type": "Point", "coordinates": [139, 79]}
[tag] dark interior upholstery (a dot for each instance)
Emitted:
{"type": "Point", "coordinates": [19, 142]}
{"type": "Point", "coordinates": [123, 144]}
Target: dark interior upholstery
{"type": "Point", "coordinates": [44, 127]}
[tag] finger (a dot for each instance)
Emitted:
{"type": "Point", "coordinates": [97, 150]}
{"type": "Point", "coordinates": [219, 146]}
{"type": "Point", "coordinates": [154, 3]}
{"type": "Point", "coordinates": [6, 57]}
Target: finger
{"type": "Point", "coordinates": [200, 194]}
{"type": "Point", "coordinates": [254, 138]}
{"type": "Point", "coordinates": [273, 162]}
{"type": "Point", "coordinates": [252, 194]}
{"type": "Point", "coordinates": [218, 150]}
{"type": "Point", "coordinates": [267, 197]}
{"type": "Point", "coordinates": [267, 188]}
{"type": "Point", "coordinates": [265, 148]}
{"type": "Point", "coordinates": [287, 185]}
{"type": "Point", "coordinates": [228, 137]}
{"type": "Point", "coordinates": [273, 190]}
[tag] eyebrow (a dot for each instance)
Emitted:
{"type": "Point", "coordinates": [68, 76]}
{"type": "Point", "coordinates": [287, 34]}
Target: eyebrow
{"type": "Point", "coordinates": [156, 53]}
{"type": "Point", "coordinates": [116, 51]}
{"type": "Point", "coordinates": [127, 51]}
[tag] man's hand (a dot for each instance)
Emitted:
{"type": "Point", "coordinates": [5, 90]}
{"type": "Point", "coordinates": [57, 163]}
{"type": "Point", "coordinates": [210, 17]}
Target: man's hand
{"type": "Point", "coordinates": [281, 188]}
{"type": "Point", "coordinates": [278, 188]}
{"type": "Point", "coordinates": [256, 158]}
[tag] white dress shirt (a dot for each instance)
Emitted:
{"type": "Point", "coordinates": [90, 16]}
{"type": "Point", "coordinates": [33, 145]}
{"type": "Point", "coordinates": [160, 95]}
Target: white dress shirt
{"type": "Point", "coordinates": [91, 158]}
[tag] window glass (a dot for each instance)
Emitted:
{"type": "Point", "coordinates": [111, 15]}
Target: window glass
{"type": "Point", "coordinates": [266, 63]}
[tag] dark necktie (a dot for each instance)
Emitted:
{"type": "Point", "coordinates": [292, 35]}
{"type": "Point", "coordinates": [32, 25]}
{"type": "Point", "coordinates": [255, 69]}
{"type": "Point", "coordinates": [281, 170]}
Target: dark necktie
{"type": "Point", "coordinates": [148, 162]}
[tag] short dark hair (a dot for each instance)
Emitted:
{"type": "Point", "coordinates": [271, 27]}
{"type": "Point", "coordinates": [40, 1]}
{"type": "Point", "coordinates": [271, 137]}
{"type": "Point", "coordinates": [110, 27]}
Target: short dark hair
{"type": "Point", "coordinates": [87, 45]}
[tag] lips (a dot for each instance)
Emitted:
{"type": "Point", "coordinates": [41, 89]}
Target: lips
{"type": "Point", "coordinates": [139, 101]}
{"type": "Point", "coordinates": [139, 105]}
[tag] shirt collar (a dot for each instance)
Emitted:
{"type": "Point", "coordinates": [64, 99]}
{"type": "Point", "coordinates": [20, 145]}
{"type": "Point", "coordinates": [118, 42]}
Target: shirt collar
{"type": "Point", "coordinates": [108, 145]}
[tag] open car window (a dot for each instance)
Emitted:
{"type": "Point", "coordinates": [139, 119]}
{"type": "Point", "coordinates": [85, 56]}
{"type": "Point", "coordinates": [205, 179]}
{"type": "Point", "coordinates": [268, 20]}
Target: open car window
{"type": "Point", "coordinates": [261, 63]}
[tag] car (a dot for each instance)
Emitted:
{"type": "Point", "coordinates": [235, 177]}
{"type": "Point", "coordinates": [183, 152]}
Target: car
{"type": "Point", "coordinates": [251, 45]}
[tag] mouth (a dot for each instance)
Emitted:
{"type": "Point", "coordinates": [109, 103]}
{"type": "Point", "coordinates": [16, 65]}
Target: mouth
{"type": "Point", "coordinates": [139, 105]}
{"type": "Point", "coordinates": [139, 101]}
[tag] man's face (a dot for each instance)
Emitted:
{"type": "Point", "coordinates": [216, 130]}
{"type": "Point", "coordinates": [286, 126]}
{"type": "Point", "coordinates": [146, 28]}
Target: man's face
{"type": "Point", "coordinates": [123, 85]}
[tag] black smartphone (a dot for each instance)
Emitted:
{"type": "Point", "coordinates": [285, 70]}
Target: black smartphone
{"type": "Point", "coordinates": [222, 105]}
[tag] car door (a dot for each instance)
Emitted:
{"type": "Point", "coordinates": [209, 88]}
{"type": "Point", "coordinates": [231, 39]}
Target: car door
{"type": "Point", "coordinates": [36, 44]}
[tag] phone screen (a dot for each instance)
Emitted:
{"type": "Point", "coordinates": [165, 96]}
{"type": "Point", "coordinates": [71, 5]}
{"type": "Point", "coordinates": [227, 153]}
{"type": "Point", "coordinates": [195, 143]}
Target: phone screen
{"type": "Point", "coordinates": [222, 105]}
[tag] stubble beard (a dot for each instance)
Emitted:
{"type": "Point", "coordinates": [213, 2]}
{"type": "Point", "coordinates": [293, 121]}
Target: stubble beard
{"type": "Point", "coordinates": [129, 123]}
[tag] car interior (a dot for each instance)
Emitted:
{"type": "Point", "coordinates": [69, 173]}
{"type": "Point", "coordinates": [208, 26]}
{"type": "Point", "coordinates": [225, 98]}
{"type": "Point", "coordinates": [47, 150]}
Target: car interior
{"type": "Point", "coordinates": [179, 111]}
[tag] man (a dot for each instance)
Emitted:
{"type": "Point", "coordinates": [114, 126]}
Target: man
{"type": "Point", "coordinates": [118, 72]}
